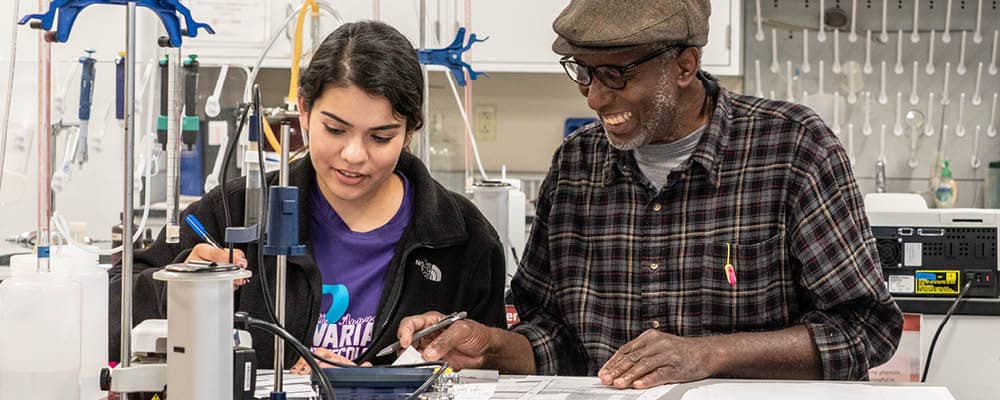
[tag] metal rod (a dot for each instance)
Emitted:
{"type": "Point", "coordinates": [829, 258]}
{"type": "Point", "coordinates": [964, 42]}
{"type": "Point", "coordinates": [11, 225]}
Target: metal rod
{"type": "Point", "coordinates": [285, 140]}
{"type": "Point", "coordinates": [282, 265]}
{"type": "Point", "coordinates": [128, 241]}
{"type": "Point", "coordinates": [173, 230]}
{"type": "Point", "coordinates": [469, 174]}
{"type": "Point", "coordinates": [425, 140]}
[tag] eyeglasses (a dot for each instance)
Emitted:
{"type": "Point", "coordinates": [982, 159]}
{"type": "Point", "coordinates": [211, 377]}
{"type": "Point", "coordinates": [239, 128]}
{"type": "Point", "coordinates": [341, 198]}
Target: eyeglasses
{"type": "Point", "coordinates": [612, 76]}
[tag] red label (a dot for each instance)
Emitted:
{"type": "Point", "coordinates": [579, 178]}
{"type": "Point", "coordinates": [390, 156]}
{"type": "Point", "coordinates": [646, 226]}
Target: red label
{"type": "Point", "coordinates": [512, 318]}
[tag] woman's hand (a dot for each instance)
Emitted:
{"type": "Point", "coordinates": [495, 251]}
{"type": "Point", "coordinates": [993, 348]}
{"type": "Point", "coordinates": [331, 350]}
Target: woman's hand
{"type": "Point", "coordinates": [205, 252]}
{"type": "Point", "coordinates": [302, 367]}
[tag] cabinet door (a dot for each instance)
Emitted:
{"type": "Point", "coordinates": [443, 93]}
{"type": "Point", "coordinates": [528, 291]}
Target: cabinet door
{"type": "Point", "coordinates": [722, 56]}
{"type": "Point", "coordinates": [241, 30]}
{"type": "Point", "coordinates": [520, 35]}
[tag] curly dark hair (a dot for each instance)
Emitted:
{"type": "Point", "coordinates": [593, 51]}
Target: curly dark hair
{"type": "Point", "coordinates": [376, 58]}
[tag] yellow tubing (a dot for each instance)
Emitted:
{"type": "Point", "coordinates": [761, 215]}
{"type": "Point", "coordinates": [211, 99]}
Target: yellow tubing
{"type": "Point", "coordinates": [269, 134]}
{"type": "Point", "coordinates": [293, 83]}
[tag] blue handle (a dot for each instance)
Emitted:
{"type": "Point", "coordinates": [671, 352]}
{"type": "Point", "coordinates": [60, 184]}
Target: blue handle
{"type": "Point", "coordinates": [253, 133]}
{"type": "Point", "coordinates": [120, 86]}
{"type": "Point", "coordinates": [87, 84]}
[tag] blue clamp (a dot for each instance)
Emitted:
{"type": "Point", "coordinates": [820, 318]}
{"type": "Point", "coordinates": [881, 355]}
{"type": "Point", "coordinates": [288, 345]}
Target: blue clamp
{"type": "Point", "coordinates": [451, 56]}
{"type": "Point", "coordinates": [166, 9]}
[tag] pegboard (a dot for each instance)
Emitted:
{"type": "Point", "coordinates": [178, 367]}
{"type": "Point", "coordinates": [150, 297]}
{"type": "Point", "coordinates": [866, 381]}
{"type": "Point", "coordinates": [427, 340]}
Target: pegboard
{"type": "Point", "coordinates": [788, 29]}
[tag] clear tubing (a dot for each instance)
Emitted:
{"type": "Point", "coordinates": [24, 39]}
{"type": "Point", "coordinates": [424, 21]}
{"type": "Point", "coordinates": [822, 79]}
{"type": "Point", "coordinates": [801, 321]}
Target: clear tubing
{"type": "Point", "coordinates": [173, 229]}
{"type": "Point", "coordinates": [263, 53]}
{"type": "Point", "coordinates": [469, 138]}
{"type": "Point", "coordinates": [5, 120]}
{"type": "Point", "coordinates": [59, 222]}
{"type": "Point", "coordinates": [274, 38]}
{"type": "Point", "coordinates": [44, 151]}
{"type": "Point", "coordinates": [127, 241]}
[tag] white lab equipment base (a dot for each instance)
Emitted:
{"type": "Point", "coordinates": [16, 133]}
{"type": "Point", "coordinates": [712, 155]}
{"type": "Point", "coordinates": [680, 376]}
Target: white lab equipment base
{"type": "Point", "coordinates": [200, 333]}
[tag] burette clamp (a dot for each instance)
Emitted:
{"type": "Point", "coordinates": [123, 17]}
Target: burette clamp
{"type": "Point", "coordinates": [68, 10]}
{"type": "Point", "coordinates": [451, 57]}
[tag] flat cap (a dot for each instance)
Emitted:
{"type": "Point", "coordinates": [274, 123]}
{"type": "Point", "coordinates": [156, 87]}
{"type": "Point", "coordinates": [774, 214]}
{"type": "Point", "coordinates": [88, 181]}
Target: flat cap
{"type": "Point", "coordinates": [601, 26]}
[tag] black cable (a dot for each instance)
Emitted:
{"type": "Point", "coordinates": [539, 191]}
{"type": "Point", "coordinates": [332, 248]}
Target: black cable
{"type": "Point", "coordinates": [230, 150]}
{"type": "Point", "coordinates": [430, 381]}
{"type": "Point", "coordinates": [947, 316]}
{"type": "Point", "coordinates": [299, 348]}
{"type": "Point", "coordinates": [262, 223]}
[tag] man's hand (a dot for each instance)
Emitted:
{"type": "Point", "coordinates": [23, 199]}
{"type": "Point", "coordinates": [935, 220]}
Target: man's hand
{"type": "Point", "coordinates": [463, 344]}
{"type": "Point", "coordinates": [205, 252]}
{"type": "Point", "coordinates": [656, 358]}
{"type": "Point", "coordinates": [301, 367]}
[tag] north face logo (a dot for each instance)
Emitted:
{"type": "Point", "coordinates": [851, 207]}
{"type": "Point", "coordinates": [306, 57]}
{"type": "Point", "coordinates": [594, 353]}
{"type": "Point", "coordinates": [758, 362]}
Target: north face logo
{"type": "Point", "coordinates": [429, 270]}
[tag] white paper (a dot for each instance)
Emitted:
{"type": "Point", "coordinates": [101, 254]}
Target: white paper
{"type": "Point", "coordinates": [474, 391]}
{"type": "Point", "coordinates": [295, 386]}
{"type": "Point", "coordinates": [409, 356]}
{"type": "Point", "coordinates": [815, 391]}
{"type": "Point", "coordinates": [562, 387]}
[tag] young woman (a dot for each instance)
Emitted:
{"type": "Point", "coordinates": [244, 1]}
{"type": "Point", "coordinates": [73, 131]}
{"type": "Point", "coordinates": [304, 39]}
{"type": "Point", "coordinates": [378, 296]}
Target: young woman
{"type": "Point", "coordinates": [384, 239]}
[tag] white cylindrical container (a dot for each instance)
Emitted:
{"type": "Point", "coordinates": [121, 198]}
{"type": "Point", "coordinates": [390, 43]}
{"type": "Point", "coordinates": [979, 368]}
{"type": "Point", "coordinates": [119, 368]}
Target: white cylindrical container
{"type": "Point", "coordinates": [493, 199]}
{"type": "Point", "coordinates": [40, 316]}
{"type": "Point", "coordinates": [77, 265]}
{"type": "Point", "coordinates": [200, 333]}
{"type": "Point", "coordinates": [81, 267]}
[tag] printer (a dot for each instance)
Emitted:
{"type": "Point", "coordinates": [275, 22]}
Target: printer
{"type": "Point", "coordinates": [930, 254]}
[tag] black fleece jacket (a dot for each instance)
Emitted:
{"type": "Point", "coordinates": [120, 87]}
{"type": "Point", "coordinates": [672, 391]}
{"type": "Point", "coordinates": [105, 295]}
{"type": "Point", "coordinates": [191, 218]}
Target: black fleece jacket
{"type": "Point", "coordinates": [449, 259]}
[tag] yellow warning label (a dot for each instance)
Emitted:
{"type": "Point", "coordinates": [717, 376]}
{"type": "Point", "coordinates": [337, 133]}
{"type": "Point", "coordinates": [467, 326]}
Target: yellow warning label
{"type": "Point", "coordinates": [938, 282]}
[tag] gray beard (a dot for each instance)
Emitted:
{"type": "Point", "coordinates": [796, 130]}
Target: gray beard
{"type": "Point", "coordinates": [663, 120]}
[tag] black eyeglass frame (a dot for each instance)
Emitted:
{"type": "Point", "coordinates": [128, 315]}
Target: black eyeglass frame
{"type": "Point", "coordinates": [621, 70]}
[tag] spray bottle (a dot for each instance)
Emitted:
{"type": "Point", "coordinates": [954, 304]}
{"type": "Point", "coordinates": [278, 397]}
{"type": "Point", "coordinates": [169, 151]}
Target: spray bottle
{"type": "Point", "coordinates": [946, 190]}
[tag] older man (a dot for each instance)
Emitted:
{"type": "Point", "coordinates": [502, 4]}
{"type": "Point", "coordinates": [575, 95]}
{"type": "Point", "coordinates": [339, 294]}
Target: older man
{"type": "Point", "coordinates": [692, 233]}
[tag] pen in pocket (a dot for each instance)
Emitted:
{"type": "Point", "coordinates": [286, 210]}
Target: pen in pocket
{"type": "Point", "coordinates": [729, 269]}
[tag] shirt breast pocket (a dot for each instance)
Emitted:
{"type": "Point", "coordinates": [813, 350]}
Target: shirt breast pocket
{"type": "Point", "coordinates": [752, 295]}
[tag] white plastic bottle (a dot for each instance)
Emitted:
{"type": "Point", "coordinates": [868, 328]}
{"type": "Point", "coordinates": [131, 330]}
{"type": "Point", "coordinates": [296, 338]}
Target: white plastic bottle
{"type": "Point", "coordinates": [41, 318]}
{"type": "Point", "coordinates": [82, 267]}
{"type": "Point", "coordinates": [69, 265]}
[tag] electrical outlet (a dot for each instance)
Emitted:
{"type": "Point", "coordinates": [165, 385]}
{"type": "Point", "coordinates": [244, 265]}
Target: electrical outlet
{"type": "Point", "coordinates": [485, 127]}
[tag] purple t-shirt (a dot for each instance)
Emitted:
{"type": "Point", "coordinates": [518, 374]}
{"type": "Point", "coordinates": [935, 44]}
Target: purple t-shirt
{"type": "Point", "coordinates": [353, 267]}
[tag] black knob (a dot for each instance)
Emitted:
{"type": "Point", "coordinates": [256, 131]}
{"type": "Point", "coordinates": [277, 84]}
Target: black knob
{"type": "Point", "coordinates": [105, 379]}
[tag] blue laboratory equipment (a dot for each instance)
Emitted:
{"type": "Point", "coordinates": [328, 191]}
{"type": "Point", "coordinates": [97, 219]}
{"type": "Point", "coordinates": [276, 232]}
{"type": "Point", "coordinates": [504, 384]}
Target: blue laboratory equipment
{"type": "Point", "coordinates": [167, 10]}
{"type": "Point", "coordinates": [451, 57]}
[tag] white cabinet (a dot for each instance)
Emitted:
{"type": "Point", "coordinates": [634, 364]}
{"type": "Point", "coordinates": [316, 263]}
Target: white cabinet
{"type": "Point", "coordinates": [520, 35]}
{"type": "Point", "coordinates": [722, 55]}
{"type": "Point", "coordinates": [519, 31]}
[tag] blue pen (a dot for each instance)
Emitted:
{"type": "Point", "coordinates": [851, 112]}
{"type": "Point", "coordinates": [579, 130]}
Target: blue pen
{"type": "Point", "coordinates": [198, 228]}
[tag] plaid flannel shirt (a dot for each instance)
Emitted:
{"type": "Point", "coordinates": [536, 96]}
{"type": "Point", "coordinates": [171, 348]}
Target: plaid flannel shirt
{"type": "Point", "coordinates": [768, 189]}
